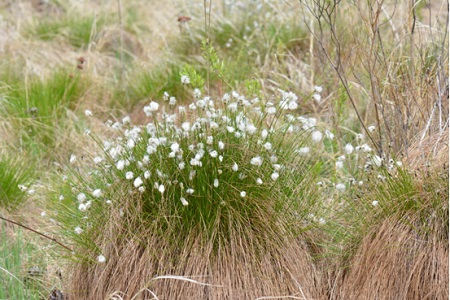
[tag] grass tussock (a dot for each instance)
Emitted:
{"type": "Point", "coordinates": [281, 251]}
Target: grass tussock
{"type": "Point", "coordinates": [239, 269]}
{"type": "Point", "coordinates": [397, 261]}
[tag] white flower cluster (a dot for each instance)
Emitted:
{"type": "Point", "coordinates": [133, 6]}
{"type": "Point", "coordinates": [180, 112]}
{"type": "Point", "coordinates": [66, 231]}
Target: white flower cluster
{"type": "Point", "coordinates": [229, 147]}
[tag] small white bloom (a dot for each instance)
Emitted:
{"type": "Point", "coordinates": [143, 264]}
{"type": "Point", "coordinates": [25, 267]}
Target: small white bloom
{"type": "Point", "coordinates": [232, 107]}
{"type": "Point", "coordinates": [97, 193]}
{"type": "Point", "coordinates": [97, 160]}
{"type": "Point", "coordinates": [22, 187]}
{"type": "Point", "coordinates": [267, 146]}
{"type": "Point", "coordinates": [274, 176]}
{"type": "Point", "coordinates": [271, 110]}
{"type": "Point", "coordinates": [399, 163]}
{"type": "Point", "coordinates": [148, 110]}
{"type": "Point", "coordinates": [322, 221]}
{"type": "Point", "coordinates": [329, 135]}
{"type": "Point", "coordinates": [259, 181]}
{"type": "Point", "coordinates": [366, 148]}
{"type": "Point", "coordinates": [161, 188]}
{"type": "Point", "coordinates": [126, 120]}
{"type": "Point", "coordinates": [230, 129]}
{"type": "Point", "coordinates": [213, 125]}
{"type": "Point", "coordinates": [101, 259]}
{"type": "Point", "coordinates": [129, 175]}
{"type": "Point", "coordinates": [120, 164]}
{"type": "Point", "coordinates": [226, 97]}
{"type": "Point", "coordinates": [141, 189]}
{"type": "Point", "coordinates": [43, 214]}
{"type": "Point", "coordinates": [186, 126]}
{"type": "Point", "coordinates": [360, 136]}
{"type": "Point", "coordinates": [61, 197]}
{"type": "Point", "coordinates": [318, 89]}
{"type": "Point", "coordinates": [190, 191]}
{"type": "Point", "coordinates": [243, 194]}
{"type": "Point", "coordinates": [78, 230]}
{"type": "Point", "coordinates": [130, 144]}
{"type": "Point", "coordinates": [375, 203]}
{"type": "Point", "coordinates": [147, 174]}
{"type": "Point", "coordinates": [213, 153]}
{"type": "Point", "coordinates": [273, 159]}
{"type": "Point", "coordinates": [175, 147]}
{"type": "Point", "coordinates": [339, 165]}
{"type": "Point", "coordinates": [138, 182]}
{"type": "Point", "coordinates": [172, 101]}
{"type": "Point", "coordinates": [276, 167]}
{"type": "Point", "coordinates": [31, 192]}
{"type": "Point", "coordinates": [185, 79]}
{"type": "Point", "coordinates": [216, 182]}
{"type": "Point", "coordinates": [184, 201]}
{"type": "Point", "coordinates": [166, 96]}
{"type": "Point", "coordinates": [88, 204]}
{"type": "Point", "coordinates": [81, 197]}
{"type": "Point", "coordinates": [348, 149]}
{"type": "Point", "coordinates": [264, 134]}
{"type": "Point", "coordinates": [303, 151]}
{"type": "Point", "coordinates": [340, 187]}
{"type": "Point", "coordinates": [73, 158]}
{"type": "Point", "coordinates": [235, 167]}
{"type": "Point", "coordinates": [82, 207]}
{"type": "Point", "coordinates": [371, 128]}
{"type": "Point", "coordinates": [201, 103]}
{"type": "Point", "coordinates": [197, 93]}
{"type": "Point", "coordinates": [221, 145]}
{"type": "Point", "coordinates": [88, 113]}
{"type": "Point", "coordinates": [377, 160]}
{"type": "Point", "coordinates": [292, 105]}
{"type": "Point", "coordinates": [209, 140]}
{"type": "Point", "coordinates": [251, 129]}
{"type": "Point", "coordinates": [256, 161]}
{"type": "Point", "coordinates": [316, 136]}
{"type": "Point", "coordinates": [317, 97]}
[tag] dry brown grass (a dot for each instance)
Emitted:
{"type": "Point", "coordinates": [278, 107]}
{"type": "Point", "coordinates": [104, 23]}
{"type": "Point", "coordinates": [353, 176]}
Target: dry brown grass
{"type": "Point", "coordinates": [239, 268]}
{"type": "Point", "coordinates": [406, 255]}
{"type": "Point", "coordinates": [429, 153]}
{"type": "Point", "coordinates": [397, 261]}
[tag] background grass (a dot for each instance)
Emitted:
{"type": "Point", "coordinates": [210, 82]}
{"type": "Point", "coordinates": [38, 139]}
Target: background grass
{"type": "Point", "coordinates": [384, 64]}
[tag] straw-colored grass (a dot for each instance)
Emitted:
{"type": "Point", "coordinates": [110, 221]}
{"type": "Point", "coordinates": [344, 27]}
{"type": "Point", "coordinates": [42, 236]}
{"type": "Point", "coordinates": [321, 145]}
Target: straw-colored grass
{"type": "Point", "coordinates": [397, 261]}
{"type": "Point", "coordinates": [249, 265]}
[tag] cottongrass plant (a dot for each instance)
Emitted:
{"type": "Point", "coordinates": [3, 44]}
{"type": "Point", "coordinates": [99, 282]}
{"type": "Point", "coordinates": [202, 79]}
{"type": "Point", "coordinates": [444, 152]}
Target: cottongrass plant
{"type": "Point", "coordinates": [399, 247]}
{"type": "Point", "coordinates": [220, 189]}
{"type": "Point", "coordinates": [394, 238]}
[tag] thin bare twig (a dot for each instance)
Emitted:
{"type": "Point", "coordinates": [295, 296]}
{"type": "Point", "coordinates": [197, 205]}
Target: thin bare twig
{"type": "Point", "coordinates": [37, 232]}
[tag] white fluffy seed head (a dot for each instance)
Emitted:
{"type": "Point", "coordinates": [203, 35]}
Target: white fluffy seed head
{"type": "Point", "coordinates": [138, 182]}
{"type": "Point", "coordinates": [97, 193]}
{"type": "Point", "coordinates": [316, 136]}
{"type": "Point", "coordinates": [256, 161]}
{"type": "Point", "coordinates": [184, 201]}
{"type": "Point", "coordinates": [274, 176]}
